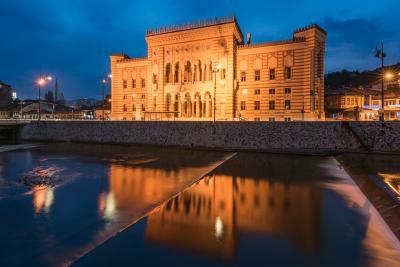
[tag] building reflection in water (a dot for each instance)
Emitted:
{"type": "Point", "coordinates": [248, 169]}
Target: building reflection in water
{"type": "Point", "coordinates": [210, 216]}
{"type": "Point", "coordinates": [43, 198]}
{"type": "Point", "coordinates": [134, 190]}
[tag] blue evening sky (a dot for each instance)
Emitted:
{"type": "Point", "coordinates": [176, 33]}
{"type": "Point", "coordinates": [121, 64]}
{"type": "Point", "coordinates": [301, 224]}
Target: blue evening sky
{"type": "Point", "coordinates": [72, 39]}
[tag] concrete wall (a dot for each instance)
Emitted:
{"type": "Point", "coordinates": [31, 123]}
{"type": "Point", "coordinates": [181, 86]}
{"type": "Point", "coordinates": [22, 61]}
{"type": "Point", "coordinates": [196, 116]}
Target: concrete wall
{"type": "Point", "coordinates": [288, 137]}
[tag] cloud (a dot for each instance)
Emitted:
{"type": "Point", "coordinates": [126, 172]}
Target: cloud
{"type": "Point", "coordinates": [350, 42]}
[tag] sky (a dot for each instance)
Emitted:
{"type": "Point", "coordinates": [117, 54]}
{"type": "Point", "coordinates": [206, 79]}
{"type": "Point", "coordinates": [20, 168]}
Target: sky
{"type": "Point", "coordinates": [72, 39]}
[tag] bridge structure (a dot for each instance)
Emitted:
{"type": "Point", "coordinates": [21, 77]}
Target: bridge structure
{"type": "Point", "coordinates": [9, 129]}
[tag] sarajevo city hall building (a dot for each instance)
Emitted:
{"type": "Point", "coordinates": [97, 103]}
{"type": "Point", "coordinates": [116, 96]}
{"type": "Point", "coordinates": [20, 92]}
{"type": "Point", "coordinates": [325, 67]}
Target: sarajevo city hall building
{"type": "Point", "coordinates": [208, 68]}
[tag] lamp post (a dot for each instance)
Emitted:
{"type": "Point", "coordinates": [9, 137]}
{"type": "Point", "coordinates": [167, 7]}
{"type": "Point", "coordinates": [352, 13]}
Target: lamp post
{"type": "Point", "coordinates": [215, 71]}
{"type": "Point", "coordinates": [379, 53]}
{"type": "Point", "coordinates": [103, 82]}
{"type": "Point", "coordinates": [40, 82]}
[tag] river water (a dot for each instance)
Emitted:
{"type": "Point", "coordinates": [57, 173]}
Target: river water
{"type": "Point", "coordinates": [108, 205]}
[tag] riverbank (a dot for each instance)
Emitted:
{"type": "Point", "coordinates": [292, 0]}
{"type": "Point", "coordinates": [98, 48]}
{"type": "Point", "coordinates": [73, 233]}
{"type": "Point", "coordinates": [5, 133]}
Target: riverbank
{"type": "Point", "coordinates": [281, 137]}
{"type": "Point", "coordinates": [360, 169]}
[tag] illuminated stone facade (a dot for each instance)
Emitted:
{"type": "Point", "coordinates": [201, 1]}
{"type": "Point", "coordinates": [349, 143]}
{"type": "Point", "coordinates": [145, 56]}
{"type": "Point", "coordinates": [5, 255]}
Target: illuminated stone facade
{"type": "Point", "coordinates": [266, 81]}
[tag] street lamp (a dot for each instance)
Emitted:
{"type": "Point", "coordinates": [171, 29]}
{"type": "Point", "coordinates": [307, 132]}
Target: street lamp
{"type": "Point", "coordinates": [389, 75]}
{"type": "Point", "coordinates": [40, 82]}
{"type": "Point", "coordinates": [215, 71]}
{"type": "Point", "coordinates": [103, 82]}
{"type": "Point", "coordinates": [379, 53]}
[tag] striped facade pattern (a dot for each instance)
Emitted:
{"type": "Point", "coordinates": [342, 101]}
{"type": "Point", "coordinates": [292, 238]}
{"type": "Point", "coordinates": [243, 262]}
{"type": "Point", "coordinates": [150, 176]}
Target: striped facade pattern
{"type": "Point", "coordinates": [193, 69]}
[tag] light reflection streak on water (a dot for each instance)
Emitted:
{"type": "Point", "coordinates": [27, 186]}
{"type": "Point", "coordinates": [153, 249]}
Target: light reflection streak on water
{"type": "Point", "coordinates": [43, 198]}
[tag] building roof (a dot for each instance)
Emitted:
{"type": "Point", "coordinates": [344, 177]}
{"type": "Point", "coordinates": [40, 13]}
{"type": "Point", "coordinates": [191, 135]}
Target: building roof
{"type": "Point", "coordinates": [311, 26]}
{"type": "Point", "coordinates": [195, 25]}
{"type": "Point", "coordinates": [350, 91]}
{"type": "Point", "coordinates": [391, 93]}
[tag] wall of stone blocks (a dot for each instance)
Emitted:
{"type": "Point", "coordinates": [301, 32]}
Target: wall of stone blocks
{"type": "Point", "coordinates": [285, 137]}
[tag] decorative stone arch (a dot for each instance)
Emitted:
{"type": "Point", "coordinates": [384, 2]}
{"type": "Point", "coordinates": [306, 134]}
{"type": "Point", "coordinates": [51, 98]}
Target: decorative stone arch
{"type": "Point", "coordinates": [178, 104]}
{"type": "Point", "coordinates": [168, 73]}
{"type": "Point", "coordinates": [257, 64]}
{"type": "Point", "coordinates": [197, 106]}
{"type": "Point", "coordinates": [207, 110]}
{"type": "Point", "coordinates": [272, 62]}
{"type": "Point", "coordinates": [187, 105]}
{"type": "Point", "coordinates": [288, 61]}
{"type": "Point", "coordinates": [176, 73]}
{"type": "Point", "coordinates": [168, 103]}
{"type": "Point", "coordinates": [243, 65]}
{"type": "Point", "coordinates": [200, 70]}
{"type": "Point", "coordinates": [210, 71]}
{"type": "Point", "coordinates": [187, 76]}
{"type": "Point", "coordinates": [195, 74]}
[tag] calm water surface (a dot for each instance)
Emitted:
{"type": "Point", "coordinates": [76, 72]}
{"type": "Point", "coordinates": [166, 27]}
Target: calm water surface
{"type": "Point", "coordinates": [116, 205]}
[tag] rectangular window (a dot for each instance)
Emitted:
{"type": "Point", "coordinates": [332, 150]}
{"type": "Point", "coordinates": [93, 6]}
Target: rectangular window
{"type": "Point", "coordinates": [288, 119]}
{"type": "Point", "coordinates": [288, 90]}
{"type": "Point", "coordinates": [257, 91]}
{"type": "Point", "coordinates": [288, 72]}
{"type": "Point", "coordinates": [256, 119]}
{"type": "Point", "coordinates": [223, 74]}
{"type": "Point", "coordinates": [124, 96]}
{"type": "Point", "coordinates": [154, 79]}
{"type": "Point", "coordinates": [272, 91]}
{"type": "Point", "coordinates": [143, 96]}
{"type": "Point", "coordinates": [287, 104]}
{"type": "Point", "coordinates": [133, 107]}
{"type": "Point", "coordinates": [124, 84]}
{"type": "Point", "coordinates": [143, 83]}
{"type": "Point", "coordinates": [257, 75]}
{"type": "Point", "coordinates": [143, 108]}
{"type": "Point", "coordinates": [133, 83]}
{"type": "Point", "coordinates": [243, 76]}
{"type": "Point", "coordinates": [124, 108]}
{"type": "Point", "coordinates": [243, 105]}
{"type": "Point", "coordinates": [256, 105]}
{"type": "Point", "coordinates": [272, 74]}
{"type": "Point", "coordinates": [271, 119]}
{"type": "Point", "coordinates": [271, 105]}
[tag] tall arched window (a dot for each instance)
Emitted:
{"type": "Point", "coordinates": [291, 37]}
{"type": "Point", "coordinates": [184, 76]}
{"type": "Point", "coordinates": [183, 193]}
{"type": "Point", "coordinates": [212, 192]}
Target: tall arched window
{"type": "Point", "coordinates": [194, 73]}
{"type": "Point", "coordinates": [168, 73]}
{"type": "Point", "coordinates": [176, 73]}
{"type": "Point", "coordinates": [210, 70]}
{"type": "Point", "coordinates": [200, 71]}
{"type": "Point", "coordinates": [168, 102]}
{"type": "Point", "coordinates": [188, 72]}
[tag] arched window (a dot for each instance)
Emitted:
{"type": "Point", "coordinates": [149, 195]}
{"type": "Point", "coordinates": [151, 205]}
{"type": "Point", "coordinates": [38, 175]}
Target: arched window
{"type": "Point", "coordinates": [210, 70]}
{"type": "Point", "coordinates": [194, 73]}
{"type": "Point", "coordinates": [200, 71]}
{"type": "Point", "coordinates": [168, 102]}
{"type": "Point", "coordinates": [188, 72]}
{"type": "Point", "coordinates": [176, 73]}
{"type": "Point", "coordinates": [168, 73]}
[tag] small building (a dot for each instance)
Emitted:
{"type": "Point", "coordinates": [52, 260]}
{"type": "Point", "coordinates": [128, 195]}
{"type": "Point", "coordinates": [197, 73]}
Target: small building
{"type": "Point", "coordinates": [350, 104]}
{"type": "Point", "coordinates": [102, 112]}
{"type": "Point", "coordinates": [391, 103]}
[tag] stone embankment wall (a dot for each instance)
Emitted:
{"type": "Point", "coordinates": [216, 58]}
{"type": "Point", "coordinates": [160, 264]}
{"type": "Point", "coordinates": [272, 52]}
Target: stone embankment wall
{"type": "Point", "coordinates": [286, 137]}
